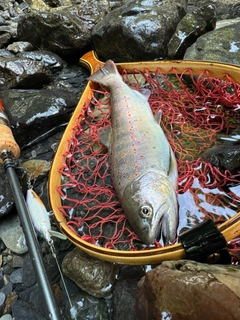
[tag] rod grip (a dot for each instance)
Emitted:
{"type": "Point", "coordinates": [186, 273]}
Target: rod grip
{"type": "Point", "coordinates": [7, 141]}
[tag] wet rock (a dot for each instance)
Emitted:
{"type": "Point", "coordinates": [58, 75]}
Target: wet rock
{"type": "Point", "coordinates": [34, 112]}
{"type": "Point", "coordinates": [142, 30]}
{"type": "Point", "coordinates": [23, 73]}
{"type": "Point", "coordinates": [50, 60]}
{"type": "Point", "coordinates": [92, 275]}
{"type": "Point", "coordinates": [20, 46]}
{"type": "Point", "coordinates": [25, 310]}
{"type": "Point", "coordinates": [87, 307]}
{"type": "Point", "coordinates": [62, 31]}
{"type": "Point", "coordinates": [224, 157]}
{"type": "Point", "coordinates": [125, 292]}
{"type": "Point", "coordinates": [12, 235]}
{"type": "Point", "coordinates": [7, 288]}
{"type": "Point", "coordinates": [180, 289]}
{"type": "Point", "coordinates": [218, 45]}
{"type": "Point", "coordinates": [192, 26]}
{"type": "Point", "coordinates": [6, 197]}
{"type": "Point", "coordinates": [225, 9]}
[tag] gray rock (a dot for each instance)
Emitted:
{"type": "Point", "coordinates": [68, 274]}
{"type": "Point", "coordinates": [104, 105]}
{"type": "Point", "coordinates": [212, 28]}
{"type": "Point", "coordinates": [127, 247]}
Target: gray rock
{"type": "Point", "coordinates": [218, 45]}
{"type": "Point", "coordinates": [49, 59]}
{"type": "Point", "coordinates": [192, 26]}
{"type": "Point", "coordinates": [20, 46]}
{"type": "Point", "coordinates": [138, 30]}
{"type": "Point", "coordinates": [92, 275]}
{"type": "Point", "coordinates": [17, 276]}
{"type": "Point", "coordinates": [87, 307]}
{"type": "Point", "coordinates": [23, 73]}
{"type": "Point", "coordinates": [28, 110]}
{"type": "Point", "coordinates": [24, 310]}
{"type": "Point", "coordinates": [125, 292]}
{"type": "Point", "coordinates": [16, 262]}
{"type": "Point", "coordinates": [12, 235]}
{"type": "Point", "coordinates": [6, 197]}
{"type": "Point", "coordinates": [63, 31]}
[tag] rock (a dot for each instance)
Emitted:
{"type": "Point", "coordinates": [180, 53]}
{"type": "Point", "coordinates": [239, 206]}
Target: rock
{"type": "Point", "coordinates": [92, 275]}
{"type": "Point", "coordinates": [16, 262]}
{"type": "Point", "coordinates": [12, 235]}
{"type": "Point", "coordinates": [225, 9]}
{"type": "Point", "coordinates": [2, 300]}
{"type": "Point", "coordinates": [7, 289]}
{"type": "Point", "coordinates": [180, 289]}
{"type": "Point", "coordinates": [17, 276]}
{"type": "Point", "coordinates": [6, 197]}
{"type": "Point", "coordinates": [36, 168]}
{"type": "Point", "coordinates": [23, 73]}
{"type": "Point", "coordinates": [20, 46]}
{"type": "Point", "coordinates": [125, 292]}
{"type": "Point", "coordinates": [224, 157]}
{"type": "Point", "coordinates": [87, 307]}
{"type": "Point", "coordinates": [49, 59]}
{"type": "Point", "coordinates": [11, 298]}
{"type": "Point", "coordinates": [192, 26]}
{"type": "Point", "coordinates": [28, 277]}
{"type": "Point", "coordinates": [24, 310]}
{"type": "Point", "coordinates": [218, 45]}
{"type": "Point", "coordinates": [28, 110]}
{"type": "Point", "coordinates": [142, 30]}
{"type": "Point", "coordinates": [63, 31]}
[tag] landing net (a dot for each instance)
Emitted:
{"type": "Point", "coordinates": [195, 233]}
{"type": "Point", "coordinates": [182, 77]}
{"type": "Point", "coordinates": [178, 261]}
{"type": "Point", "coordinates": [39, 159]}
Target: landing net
{"type": "Point", "coordinates": [198, 114]}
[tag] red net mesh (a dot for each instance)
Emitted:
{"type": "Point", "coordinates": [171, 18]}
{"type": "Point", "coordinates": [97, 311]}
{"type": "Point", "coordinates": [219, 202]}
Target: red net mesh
{"type": "Point", "coordinates": [197, 110]}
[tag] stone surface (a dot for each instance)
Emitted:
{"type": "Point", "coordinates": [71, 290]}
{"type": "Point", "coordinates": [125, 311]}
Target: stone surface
{"type": "Point", "coordinates": [192, 26]}
{"type": "Point", "coordinates": [180, 289]}
{"type": "Point", "coordinates": [63, 31]}
{"type": "Point", "coordinates": [142, 30]}
{"type": "Point", "coordinates": [92, 275]}
{"type": "Point", "coordinates": [219, 45]}
{"type": "Point", "coordinates": [12, 235]}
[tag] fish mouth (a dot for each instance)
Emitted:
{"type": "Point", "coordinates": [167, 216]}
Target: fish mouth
{"type": "Point", "coordinates": [149, 234]}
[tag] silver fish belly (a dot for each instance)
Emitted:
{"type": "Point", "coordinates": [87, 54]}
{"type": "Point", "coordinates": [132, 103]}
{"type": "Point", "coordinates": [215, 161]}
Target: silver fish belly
{"type": "Point", "coordinates": [143, 166]}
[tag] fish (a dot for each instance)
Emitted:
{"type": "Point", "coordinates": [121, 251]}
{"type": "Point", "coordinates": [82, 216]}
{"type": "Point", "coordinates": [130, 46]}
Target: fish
{"type": "Point", "coordinates": [142, 163]}
{"type": "Point", "coordinates": [40, 217]}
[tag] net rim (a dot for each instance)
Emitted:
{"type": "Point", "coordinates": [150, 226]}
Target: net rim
{"type": "Point", "coordinates": [230, 228]}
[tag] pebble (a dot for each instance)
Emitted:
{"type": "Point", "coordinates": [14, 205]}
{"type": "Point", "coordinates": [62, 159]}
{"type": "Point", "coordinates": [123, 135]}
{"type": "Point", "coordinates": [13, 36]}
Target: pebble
{"type": "Point", "coordinates": [17, 276]}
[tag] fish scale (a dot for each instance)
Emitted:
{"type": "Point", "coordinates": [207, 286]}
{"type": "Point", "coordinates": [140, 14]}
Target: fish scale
{"type": "Point", "coordinates": [143, 166]}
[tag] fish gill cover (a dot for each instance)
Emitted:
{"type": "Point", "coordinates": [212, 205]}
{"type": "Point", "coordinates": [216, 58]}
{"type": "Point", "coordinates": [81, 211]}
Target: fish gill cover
{"type": "Point", "coordinates": [196, 112]}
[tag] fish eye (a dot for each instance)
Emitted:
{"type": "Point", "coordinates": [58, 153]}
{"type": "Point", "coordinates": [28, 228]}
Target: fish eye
{"type": "Point", "coordinates": [145, 211]}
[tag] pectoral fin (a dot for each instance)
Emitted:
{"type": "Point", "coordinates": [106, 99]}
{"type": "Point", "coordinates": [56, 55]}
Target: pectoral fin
{"type": "Point", "coordinates": [105, 135]}
{"type": "Point", "coordinates": [173, 171]}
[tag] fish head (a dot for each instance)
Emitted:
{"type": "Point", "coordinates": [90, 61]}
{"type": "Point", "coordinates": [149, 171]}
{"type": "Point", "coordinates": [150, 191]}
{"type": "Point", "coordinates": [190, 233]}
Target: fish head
{"type": "Point", "coordinates": [150, 204]}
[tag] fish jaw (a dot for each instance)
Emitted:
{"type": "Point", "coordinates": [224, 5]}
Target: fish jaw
{"type": "Point", "coordinates": [150, 204]}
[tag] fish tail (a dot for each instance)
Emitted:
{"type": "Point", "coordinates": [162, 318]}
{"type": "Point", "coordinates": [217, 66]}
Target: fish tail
{"type": "Point", "coordinates": [104, 74]}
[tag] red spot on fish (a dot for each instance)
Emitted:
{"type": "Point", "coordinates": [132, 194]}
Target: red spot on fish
{"type": "Point", "coordinates": [123, 154]}
{"type": "Point", "coordinates": [136, 174]}
{"type": "Point", "coordinates": [128, 177]}
{"type": "Point", "coordinates": [141, 156]}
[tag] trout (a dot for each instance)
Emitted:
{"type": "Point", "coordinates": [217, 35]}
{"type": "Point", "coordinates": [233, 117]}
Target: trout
{"type": "Point", "coordinates": [142, 163]}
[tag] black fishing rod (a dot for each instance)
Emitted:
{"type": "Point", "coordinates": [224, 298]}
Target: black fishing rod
{"type": "Point", "coordinates": [9, 151]}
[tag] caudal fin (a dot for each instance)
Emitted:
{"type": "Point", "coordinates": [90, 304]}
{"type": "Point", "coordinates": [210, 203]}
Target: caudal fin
{"type": "Point", "coordinates": [104, 74]}
{"type": "Point", "coordinates": [57, 234]}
